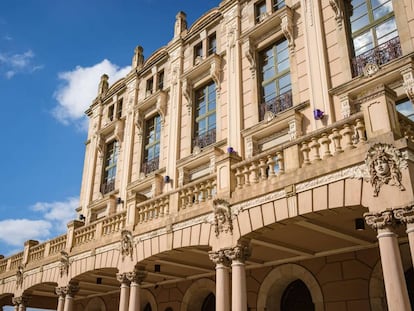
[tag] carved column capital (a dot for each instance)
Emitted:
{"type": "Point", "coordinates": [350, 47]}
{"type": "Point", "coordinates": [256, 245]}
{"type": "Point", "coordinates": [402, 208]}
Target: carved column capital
{"type": "Point", "coordinates": [238, 253]}
{"type": "Point", "coordinates": [71, 289]}
{"type": "Point", "coordinates": [60, 291]}
{"type": "Point", "coordinates": [21, 300]}
{"type": "Point", "coordinates": [136, 276]}
{"type": "Point", "coordinates": [381, 220]}
{"type": "Point", "coordinates": [219, 257]}
{"type": "Point", "coordinates": [123, 278]}
{"type": "Point", "coordinates": [405, 215]}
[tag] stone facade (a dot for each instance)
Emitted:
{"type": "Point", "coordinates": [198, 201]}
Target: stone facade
{"type": "Point", "coordinates": [259, 161]}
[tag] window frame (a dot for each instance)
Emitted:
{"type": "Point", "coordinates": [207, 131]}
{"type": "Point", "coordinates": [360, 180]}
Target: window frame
{"type": "Point", "coordinates": [153, 161]}
{"type": "Point", "coordinates": [109, 166]}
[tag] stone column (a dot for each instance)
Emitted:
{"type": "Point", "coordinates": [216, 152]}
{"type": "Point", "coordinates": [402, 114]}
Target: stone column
{"type": "Point", "coordinates": [70, 291]}
{"type": "Point", "coordinates": [238, 255]}
{"type": "Point", "coordinates": [124, 295]}
{"type": "Point", "coordinates": [61, 292]}
{"type": "Point", "coordinates": [406, 216]}
{"type": "Point", "coordinates": [136, 277]}
{"type": "Point", "coordinates": [20, 303]}
{"type": "Point", "coordinates": [394, 281]}
{"type": "Point", "coordinates": [222, 280]}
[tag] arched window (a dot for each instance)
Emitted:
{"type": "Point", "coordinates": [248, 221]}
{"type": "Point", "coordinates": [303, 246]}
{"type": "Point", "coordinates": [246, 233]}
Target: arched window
{"type": "Point", "coordinates": [148, 307]}
{"type": "Point", "coordinates": [209, 303]}
{"type": "Point", "coordinates": [296, 297]}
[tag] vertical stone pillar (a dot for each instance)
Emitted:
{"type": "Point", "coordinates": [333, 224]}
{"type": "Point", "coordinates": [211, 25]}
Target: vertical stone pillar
{"type": "Point", "coordinates": [136, 277]}
{"type": "Point", "coordinates": [61, 292]}
{"type": "Point", "coordinates": [238, 255]}
{"type": "Point", "coordinates": [70, 291]}
{"type": "Point", "coordinates": [222, 280]}
{"type": "Point", "coordinates": [394, 281]}
{"type": "Point", "coordinates": [124, 295]}
{"type": "Point", "coordinates": [406, 216]}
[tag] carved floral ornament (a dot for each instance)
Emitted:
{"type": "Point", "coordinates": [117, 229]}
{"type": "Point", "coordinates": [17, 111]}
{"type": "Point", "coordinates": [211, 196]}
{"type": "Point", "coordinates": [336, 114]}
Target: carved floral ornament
{"type": "Point", "coordinates": [223, 222]}
{"type": "Point", "coordinates": [127, 245]}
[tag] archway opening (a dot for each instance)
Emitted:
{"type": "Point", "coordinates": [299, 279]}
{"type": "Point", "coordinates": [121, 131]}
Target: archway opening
{"type": "Point", "coordinates": [209, 303]}
{"type": "Point", "coordinates": [297, 297]}
{"type": "Point", "coordinates": [148, 307]}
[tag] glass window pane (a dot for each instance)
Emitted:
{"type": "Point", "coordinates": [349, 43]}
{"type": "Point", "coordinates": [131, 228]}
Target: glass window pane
{"type": "Point", "coordinates": [363, 43]}
{"type": "Point", "coordinates": [269, 91]}
{"type": "Point", "coordinates": [284, 82]}
{"type": "Point", "coordinates": [386, 31]}
{"type": "Point", "coordinates": [381, 8]}
{"type": "Point", "coordinates": [359, 11]}
{"type": "Point", "coordinates": [212, 121]}
{"type": "Point", "coordinates": [283, 65]}
{"type": "Point", "coordinates": [360, 23]}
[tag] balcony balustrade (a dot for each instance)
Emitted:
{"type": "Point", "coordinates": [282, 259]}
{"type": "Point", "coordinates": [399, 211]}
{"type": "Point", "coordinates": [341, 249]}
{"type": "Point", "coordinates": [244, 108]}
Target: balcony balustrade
{"type": "Point", "coordinates": [58, 244]}
{"type": "Point", "coordinates": [277, 104]}
{"type": "Point", "coordinates": [197, 192]}
{"type": "Point", "coordinates": [379, 55]}
{"type": "Point", "coordinates": [153, 209]}
{"type": "Point", "coordinates": [113, 224]}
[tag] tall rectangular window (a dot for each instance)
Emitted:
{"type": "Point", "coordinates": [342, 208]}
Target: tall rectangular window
{"type": "Point", "coordinates": [160, 80]}
{"type": "Point", "coordinates": [150, 86]}
{"type": "Point", "coordinates": [212, 44]}
{"type": "Point", "coordinates": [275, 78]}
{"type": "Point", "coordinates": [119, 109]}
{"type": "Point", "coordinates": [205, 115]}
{"type": "Point", "coordinates": [152, 144]}
{"type": "Point", "coordinates": [374, 33]}
{"type": "Point", "coordinates": [109, 174]}
{"type": "Point", "coordinates": [198, 52]}
{"type": "Point", "coordinates": [260, 11]}
{"type": "Point", "coordinates": [278, 4]}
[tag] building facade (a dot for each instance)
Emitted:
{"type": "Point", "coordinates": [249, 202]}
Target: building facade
{"type": "Point", "coordinates": [261, 160]}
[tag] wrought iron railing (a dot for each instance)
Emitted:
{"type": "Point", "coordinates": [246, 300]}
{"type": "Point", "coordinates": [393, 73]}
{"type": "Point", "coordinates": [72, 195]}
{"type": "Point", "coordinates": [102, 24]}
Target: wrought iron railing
{"type": "Point", "coordinates": [379, 55]}
{"type": "Point", "coordinates": [108, 186]}
{"type": "Point", "coordinates": [277, 104]}
{"type": "Point", "coordinates": [150, 166]}
{"type": "Point", "coordinates": [205, 139]}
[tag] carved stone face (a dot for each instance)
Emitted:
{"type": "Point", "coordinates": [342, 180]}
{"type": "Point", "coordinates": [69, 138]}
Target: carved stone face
{"type": "Point", "coordinates": [382, 167]}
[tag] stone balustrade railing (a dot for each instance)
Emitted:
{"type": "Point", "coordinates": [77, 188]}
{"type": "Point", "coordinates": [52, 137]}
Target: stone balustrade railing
{"type": "Point", "coordinates": [16, 261]}
{"type": "Point", "coordinates": [57, 244]}
{"type": "Point", "coordinates": [114, 223]}
{"type": "Point", "coordinates": [84, 234]}
{"type": "Point", "coordinates": [153, 208]}
{"type": "Point", "coordinates": [314, 147]}
{"type": "Point", "coordinates": [197, 192]}
{"type": "Point", "coordinates": [37, 252]}
{"type": "Point", "coordinates": [3, 265]}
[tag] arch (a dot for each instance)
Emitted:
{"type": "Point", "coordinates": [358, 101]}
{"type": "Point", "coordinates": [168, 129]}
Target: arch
{"type": "Point", "coordinates": [377, 297]}
{"type": "Point", "coordinates": [160, 53]}
{"type": "Point", "coordinates": [96, 304]}
{"type": "Point", "coordinates": [148, 298]}
{"type": "Point", "coordinates": [199, 23]}
{"type": "Point", "coordinates": [196, 294]}
{"type": "Point", "coordinates": [277, 281]}
{"type": "Point", "coordinates": [296, 297]}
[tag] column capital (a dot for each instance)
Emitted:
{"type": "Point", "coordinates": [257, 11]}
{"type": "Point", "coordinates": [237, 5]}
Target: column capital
{"type": "Point", "coordinates": [71, 289]}
{"type": "Point", "coordinates": [21, 300]}
{"type": "Point", "coordinates": [123, 278]}
{"type": "Point", "coordinates": [381, 220]}
{"type": "Point", "coordinates": [136, 276]}
{"type": "Point", "coordinates": [60, 291]}
{"type": "Point", "coordinates": [219, 257]}
{"type": "Point", "coordinates": [240, 252]}
{"type": "Point", "coordinates": [405, 214]}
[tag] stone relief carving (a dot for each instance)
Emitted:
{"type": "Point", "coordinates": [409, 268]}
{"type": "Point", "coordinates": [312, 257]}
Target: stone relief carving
{"type": "Point", "coordinates": [338, 9]}
{"type": "Point", "coordinates": [219, 257]}
{"type": "Point", "coordinates": [287, 30]}
{"type": "Point", "coordinates": [385, 163]}
{"type": "Point", "coordinates": [19, 276]}
{"type": "Point", "coordinates": [223, 221]}
{"type": "Point", "coordinates": [64, 263]}
{"type": "Point", "coordinates": [186, 87]}
{"type": "Point", "coordinates": [405, 215]}
{"type": "Point", "coordinates": [137, 276]}
{"type": "Point", "coordinates": [240, 252]}
{"type": "Point", "coordinates": [380, 220]}
{"type": "Point", "coordinates": [250, 56]}
{"type": "Point", "coordinates": [139, 123]}
{"type": "Point", "coordinates": [408, 76]}
{"type": "Point", "coordinates": [127, 245]}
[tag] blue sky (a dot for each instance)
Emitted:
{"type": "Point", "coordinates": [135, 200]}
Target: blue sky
{"type": "Point", "coordinates": [52, 53]}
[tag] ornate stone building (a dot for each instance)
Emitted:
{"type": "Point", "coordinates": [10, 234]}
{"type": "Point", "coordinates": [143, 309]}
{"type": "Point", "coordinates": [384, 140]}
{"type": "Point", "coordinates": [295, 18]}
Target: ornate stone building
{"type": "Point", "coordinates": [261, 160]}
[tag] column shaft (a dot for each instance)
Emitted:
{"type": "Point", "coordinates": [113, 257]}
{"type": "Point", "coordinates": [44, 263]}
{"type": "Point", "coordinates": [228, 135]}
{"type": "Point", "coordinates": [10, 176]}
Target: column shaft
{"type": "Point", "coordinates": [395, 286]}
{"type": "Point", "coordinates": [61, 303]}
{"type": "Point", "coordinates": [135, 298]}
{"type": "Point", "coordinates": [222, 288]}
{"type": "Point", "coordinates": [68, 303]}
{"type": "Point", "coordinates": [124, 297]}
{"type": "Point", "coordinates": [238, 281]}
{"type": "Point", "coordinates": [410, 233]}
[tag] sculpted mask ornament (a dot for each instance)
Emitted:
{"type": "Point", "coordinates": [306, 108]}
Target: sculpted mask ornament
{"type": "Point", "coordinates": [384, 163]}
{"type": "Point", "coordinates": [19, 276]}
{"type": "Point", "coordinates": [64, 263]}
{"type": "Point", "coordinates": [222, 217]}
{"type": "Point", "coordinates": [126, 244]}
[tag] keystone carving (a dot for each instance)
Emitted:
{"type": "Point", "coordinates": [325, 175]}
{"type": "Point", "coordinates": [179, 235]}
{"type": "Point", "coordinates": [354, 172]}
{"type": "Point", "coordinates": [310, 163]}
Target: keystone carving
{"type": "Point", "coordinates": [64, 263]}
{"type": "Point", "coordinates": [19, 276]}
{"type": "Point", "coordinates": [127, 245]}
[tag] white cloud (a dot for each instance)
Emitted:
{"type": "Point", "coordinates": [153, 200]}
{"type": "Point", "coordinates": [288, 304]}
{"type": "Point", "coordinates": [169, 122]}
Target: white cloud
{"type": "Point", "coordinates": [80, 87]}
{"type": "Point", "coordinates": [16, 231]}
{"type": "Point", "coordinates": [18, 63]}
{"type": "Point", "coordinates": [58, 213]}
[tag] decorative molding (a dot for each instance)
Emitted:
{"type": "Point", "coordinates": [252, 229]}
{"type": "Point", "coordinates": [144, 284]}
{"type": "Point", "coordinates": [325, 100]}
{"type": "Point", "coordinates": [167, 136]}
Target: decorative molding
{"type": "Point", "coordinates": [249, 52]}
{"type": "Point", "coordinates": [223, 222]}
{"type": "Point", "coordinates": [236, 209]}
{"type": "Point", "coordinates": [346, 108]}
{"type": "Point", "coordinates": [187, 89]}
{"type": "Point", "coordinates": [139, 123]}
{"type": "Point", "coordinates": [338, 8]}
{"type": "Point", "coordinates": [127, 245]}
{"type": "Point", "coordinates": [370, 69]}
{"type": "Point", "coordinates": [381, 220]}
{"type": "Point", "coordinates": [384, 163]}
{"type": "Point", "coordinates": [287, 29]}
